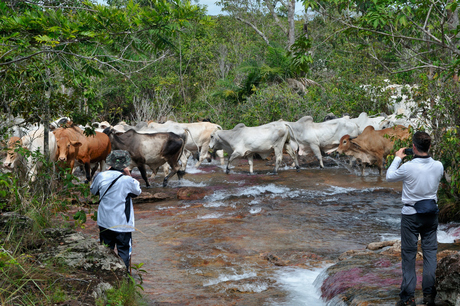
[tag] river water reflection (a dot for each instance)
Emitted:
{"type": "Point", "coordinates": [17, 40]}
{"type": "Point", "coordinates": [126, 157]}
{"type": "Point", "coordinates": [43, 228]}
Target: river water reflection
{"type": "Point", "coordinates": [259, 239]}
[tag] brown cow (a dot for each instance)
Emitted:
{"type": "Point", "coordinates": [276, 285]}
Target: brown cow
{"type": "Point", "coordinates": [371, 146]}
{"type": "Point", "coordinates": [74, 145]}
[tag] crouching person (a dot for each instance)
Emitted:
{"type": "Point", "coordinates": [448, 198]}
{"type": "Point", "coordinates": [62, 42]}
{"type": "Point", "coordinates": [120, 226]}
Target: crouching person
{"type": "Point", "coordinates": [115, 215]}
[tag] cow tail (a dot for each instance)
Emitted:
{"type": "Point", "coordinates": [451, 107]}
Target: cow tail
{"type": "Point", "coordinates": [181, 149]}
{"type": "Point", "coordinates": [193, 140]}
{"type": "Point", "coordinates": [295, 139]}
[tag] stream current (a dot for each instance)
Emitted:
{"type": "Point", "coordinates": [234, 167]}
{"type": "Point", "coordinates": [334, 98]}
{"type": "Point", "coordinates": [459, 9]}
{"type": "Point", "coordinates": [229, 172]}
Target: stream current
{"type": "Point", "coordinates": [260, 239]}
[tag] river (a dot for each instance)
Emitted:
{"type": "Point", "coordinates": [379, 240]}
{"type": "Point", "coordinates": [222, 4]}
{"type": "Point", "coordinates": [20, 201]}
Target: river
{"type": "Point", "coordinates": [260, 239]}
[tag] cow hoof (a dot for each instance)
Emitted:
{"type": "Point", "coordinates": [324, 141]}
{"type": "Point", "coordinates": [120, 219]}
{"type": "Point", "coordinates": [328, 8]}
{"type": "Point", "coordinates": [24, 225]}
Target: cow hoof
{"type": "Point", "coordinates": [227, 171]}
{"type": "Point", "coordinates": [86, 182]}
{"type": "Point", "coordinates": [165, 183]}
{"type": "Point", "coordinates": [180, 174]}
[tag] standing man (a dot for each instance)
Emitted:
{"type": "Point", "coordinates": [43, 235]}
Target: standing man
{"type": "Point", "coordinates": [419, 215]}
{"type": "Point", "coordinates": [115, 215]}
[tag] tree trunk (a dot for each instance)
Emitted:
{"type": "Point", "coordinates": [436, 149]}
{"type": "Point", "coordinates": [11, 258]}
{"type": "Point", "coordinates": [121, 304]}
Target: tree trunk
{"type": "Point", "coordinates": [291, 21]}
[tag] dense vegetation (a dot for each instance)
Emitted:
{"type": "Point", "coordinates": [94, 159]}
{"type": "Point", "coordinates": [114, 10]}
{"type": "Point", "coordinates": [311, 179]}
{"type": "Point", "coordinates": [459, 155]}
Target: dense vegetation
{"type": "Point", "coordinates": [159, 60]}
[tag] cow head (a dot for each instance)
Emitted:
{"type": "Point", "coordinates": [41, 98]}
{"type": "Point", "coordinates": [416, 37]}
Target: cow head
{"type": "Point", "coordinates": [344, 144]}
{"type": "Point", "coordinates": [110, 131]}
{"type": "Point", "coordinates": [214, 141]}
{"type": "Point", "coordinates": [11, 154]}
{"type": "Point", "coordinates": [66, 148]}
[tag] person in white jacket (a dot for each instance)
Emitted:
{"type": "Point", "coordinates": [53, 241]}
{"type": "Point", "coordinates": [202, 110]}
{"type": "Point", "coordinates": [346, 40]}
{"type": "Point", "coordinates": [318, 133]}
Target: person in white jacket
{"type": "Point", "coordinates": [115, 214]}
{"type": "Point", "coordinates": [419, 215]}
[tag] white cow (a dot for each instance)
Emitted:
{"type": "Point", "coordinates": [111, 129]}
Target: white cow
{"type": "Point", "coordinates": [364, 120]}
{"type": "Point", "coordinates": [401, 119]}
{"type": "Point", "coordinates": [34, 141]}
{"type": "Point", "coordinates": [324, 135]}
{"type": "Point", "coordinates": [244, 141]}
{"type": "Point", "coordinates": [200, 137]}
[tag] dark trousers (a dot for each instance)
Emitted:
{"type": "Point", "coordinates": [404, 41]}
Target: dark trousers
{"type": "Point", "coordinates": [121, 239]}
{"type": "Point", "coordinates": [411, 226]}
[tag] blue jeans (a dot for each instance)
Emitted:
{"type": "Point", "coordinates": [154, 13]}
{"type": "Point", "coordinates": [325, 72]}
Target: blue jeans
{"type": "Point", "coordinates": [411, 226]}
{"type": "Point", "coordinates": [121, 239]}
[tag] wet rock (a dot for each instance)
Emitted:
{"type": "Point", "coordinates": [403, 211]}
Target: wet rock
{"type": "Point", "coordinates": [373, 276]}
{"type": "Point", "coordinates": [448, 278]}
{"type": "Point", "coordinates": [350, 253]}
{"type": "Point", "coordinates": [193, 193]}
{"type": "Point", "coordinates": [247, 285]}
{"type": "Point", "coordinates": [154, 196]}
{"type": "Point", "coordinates": [380, 245]}
{"type": "Point", "coordinates": [274, 259]}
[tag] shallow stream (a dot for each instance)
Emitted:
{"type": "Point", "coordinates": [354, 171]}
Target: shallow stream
{"type": "Point", "coordinates": [261, 239]}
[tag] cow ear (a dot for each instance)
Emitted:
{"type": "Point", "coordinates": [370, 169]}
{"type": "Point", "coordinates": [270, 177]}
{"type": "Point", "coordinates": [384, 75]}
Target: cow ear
{"type": "Point", "coordinates": [76, 144]}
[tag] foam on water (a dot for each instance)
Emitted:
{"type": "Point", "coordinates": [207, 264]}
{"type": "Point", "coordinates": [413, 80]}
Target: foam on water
{"type": "Point", "coordinates": [215, 204]}
{"type": "Point", "coordinates": [186, 183]}
{"type": "Point", "coordinates": [211, 216]}
{"type": "Point", "coordinates": [338, 190]}
{"type": "Point", "coordinates": [447, 233]}
{"type": "Point", "coordinates": [251, 191]}
{"type": "Point", "coordinates": [255, 210]}
{"type": "Point", "coordinates": [230, 277]}
{"type": "Point", "coordinates": [299, 283]}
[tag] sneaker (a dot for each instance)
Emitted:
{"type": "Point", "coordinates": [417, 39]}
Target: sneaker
{"type": "Point", "coordinates": [410, 302]}
{"type": "Point", "coordinates": [428, 300]}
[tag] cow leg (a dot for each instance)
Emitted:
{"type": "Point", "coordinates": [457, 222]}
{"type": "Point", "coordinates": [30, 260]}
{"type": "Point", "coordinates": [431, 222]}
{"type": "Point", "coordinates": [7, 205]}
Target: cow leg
{"type": "Point", "coordinates": [251, 163]}
{"type": "Point", "coordinates": [165, 167]}
{"type": "Point", "coordinates": [230, 159]}
{"type": "Point", "coordinates": [316, 150]}
{"type": "Point", "coordinates": [203, 153]}
{"type": "Point", "coordinates": [87, 172]}
{"type": "Point", "coordinates": [143, 172]}
{"type": "Point", "coordinates": [278, 159]}
{"type": "Point", "coordinates": [363, 166]}
{"type": "Point", "coordinates": [220, 153]}
{"type": "Point", "coordinates": [293, 155]}
{"type": "Point", "coordinates": [94, 170]}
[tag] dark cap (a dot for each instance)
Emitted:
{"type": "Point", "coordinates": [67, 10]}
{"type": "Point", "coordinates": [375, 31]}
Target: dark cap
{"type": "Point", "coordinates": [118, 159]}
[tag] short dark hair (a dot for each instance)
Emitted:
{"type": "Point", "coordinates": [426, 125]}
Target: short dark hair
{"type": "Point", "coordinates": [422, 141]}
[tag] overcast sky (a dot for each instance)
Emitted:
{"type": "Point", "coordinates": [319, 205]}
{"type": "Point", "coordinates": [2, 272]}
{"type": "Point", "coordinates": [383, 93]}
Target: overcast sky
{"type": "Point", "coordinates": [215, 10]}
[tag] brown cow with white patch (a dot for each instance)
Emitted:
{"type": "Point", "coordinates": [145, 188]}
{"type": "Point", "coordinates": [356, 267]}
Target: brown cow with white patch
{"type": "Point", "coordinates": [74, 145]}
{"type": "Point", "coordinates": [371, 147]}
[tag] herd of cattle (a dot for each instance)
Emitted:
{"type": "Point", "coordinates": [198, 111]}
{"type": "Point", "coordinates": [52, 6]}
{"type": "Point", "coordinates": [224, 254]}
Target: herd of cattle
{"type": "Point", "coordinates": [170, 144]}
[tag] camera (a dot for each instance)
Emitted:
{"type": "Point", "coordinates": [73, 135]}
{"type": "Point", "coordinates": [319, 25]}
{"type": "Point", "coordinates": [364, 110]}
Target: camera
{"type": "Point", "coordinates": [408, 151]}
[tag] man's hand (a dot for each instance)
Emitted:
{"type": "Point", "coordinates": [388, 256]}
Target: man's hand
{"type": "Point", "coordinates": [400, 153]}
{"type": "Point", "coordinates": [126, 171]}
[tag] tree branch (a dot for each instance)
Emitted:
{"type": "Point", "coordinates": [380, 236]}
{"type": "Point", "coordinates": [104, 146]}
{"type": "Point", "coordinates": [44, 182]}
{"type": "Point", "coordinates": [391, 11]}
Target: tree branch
{"type": "Point", "coordinates": [436, 42]}
{"type": "Point", "coordinates": [22, 58]}
{"type": "Point", "coordinates": [255, 29]}
{"type": "Point", "coordinates": [271, 8]}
